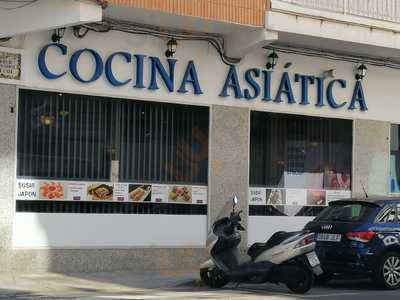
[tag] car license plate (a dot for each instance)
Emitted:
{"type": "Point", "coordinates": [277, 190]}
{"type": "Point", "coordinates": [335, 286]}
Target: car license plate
{"type": "Point", "coordinates": [313, 259]}
{"type": "Point", "coordinates": [328, 237]}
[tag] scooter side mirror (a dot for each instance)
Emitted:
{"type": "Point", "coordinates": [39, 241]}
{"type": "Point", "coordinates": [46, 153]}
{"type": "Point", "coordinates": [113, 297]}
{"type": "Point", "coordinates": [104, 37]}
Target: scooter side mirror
{"type": "Point", "coordinates": [235, 202]}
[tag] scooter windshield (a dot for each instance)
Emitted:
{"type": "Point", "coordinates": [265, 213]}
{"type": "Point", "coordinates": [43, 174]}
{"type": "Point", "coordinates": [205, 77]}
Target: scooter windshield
{"type": "Point", "coordinates": [224, 213]}
{"type": "Point", "coordinates": [226, 210]}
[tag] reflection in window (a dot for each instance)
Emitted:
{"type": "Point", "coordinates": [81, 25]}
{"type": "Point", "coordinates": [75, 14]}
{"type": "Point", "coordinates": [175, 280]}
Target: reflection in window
{"type": "Point", "coordinates": [388, 217]}
{"type": "Point", "coordinates": [300, 152]}
{"type": "Point", "coordinates": [78, 137]}
{"type": "Point", "coordinates": [394, 159]}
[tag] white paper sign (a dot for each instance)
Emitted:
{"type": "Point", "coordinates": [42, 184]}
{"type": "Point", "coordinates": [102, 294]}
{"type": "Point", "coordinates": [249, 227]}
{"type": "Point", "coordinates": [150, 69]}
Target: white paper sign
{"type": "Point", "coordinates": [27, 190]}
{"type": "Point", "coordinates": [159, 193]}
{"type": "Point", "coordinates": [76, 191]}
{"type": "Point", "coordinates": [300, 180]}
{"type": "Point", "coordinates": [296, 197]}
{"type": "Point", "coordinates": [332, 195]}
{"type": "Point", "coordinates": [121, 192]}
{"type": "Point", "coordinates": [199, 194]}
{"type": "Point", "coordinates": [257, 196]}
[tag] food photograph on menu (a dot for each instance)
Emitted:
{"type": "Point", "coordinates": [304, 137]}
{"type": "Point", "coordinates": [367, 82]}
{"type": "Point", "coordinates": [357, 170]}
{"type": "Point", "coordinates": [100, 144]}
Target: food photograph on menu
{"type": "Point", "coordinates": [100, 192]}
{"type": "Point", "coordinates": [275, 197]}
{"type": "Point", "coordinates": [139, 193]}
{"type": "Point", "coordinates": [52, 190]}
{"type": "Point", "coordinates": [337, 181]}
{"type": "Point", "coordinates": [180, 194]}
{"type": "Point", "coordinates": [316, 198]}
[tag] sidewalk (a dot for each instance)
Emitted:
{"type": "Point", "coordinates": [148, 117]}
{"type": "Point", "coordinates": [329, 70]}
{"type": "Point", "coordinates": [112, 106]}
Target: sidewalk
{"type": "Point", "coordinates": [54, 285]}
{"type": "Point", "coordinates": [124, 285]}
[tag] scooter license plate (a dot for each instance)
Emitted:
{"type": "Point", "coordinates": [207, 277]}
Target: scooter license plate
{"type": "Point", "coordinates": [313, 259]}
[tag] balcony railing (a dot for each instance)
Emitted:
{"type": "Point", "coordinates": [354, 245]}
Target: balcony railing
{"type": "Point", "coordinates": [387, 10]}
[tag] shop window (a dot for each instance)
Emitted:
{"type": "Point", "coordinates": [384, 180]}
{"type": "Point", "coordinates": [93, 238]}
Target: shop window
{"type": "Point", "coordinates": [298, 162]}
{"type": "Point", "coordinates": [68, 137]}
{"type": "Point", "coordinates": [394, 159]}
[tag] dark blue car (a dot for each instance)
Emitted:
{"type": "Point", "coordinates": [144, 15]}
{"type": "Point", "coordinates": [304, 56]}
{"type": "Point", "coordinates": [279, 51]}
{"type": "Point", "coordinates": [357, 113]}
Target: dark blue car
{"type": "Point", "coordinates": [360, 236]}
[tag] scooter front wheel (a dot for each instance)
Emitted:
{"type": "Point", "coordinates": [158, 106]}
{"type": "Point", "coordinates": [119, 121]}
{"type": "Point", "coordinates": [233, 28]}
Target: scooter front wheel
{"type": "Point", "coordinates": [302, 282]}
{"type": "Point", "coordinates": [214, 278]}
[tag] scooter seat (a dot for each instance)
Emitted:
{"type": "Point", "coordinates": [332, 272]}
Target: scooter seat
{"type": "Point", "coordinates": [278, 237]}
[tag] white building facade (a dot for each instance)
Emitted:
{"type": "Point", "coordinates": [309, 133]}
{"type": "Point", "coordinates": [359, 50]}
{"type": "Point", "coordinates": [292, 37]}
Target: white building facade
{"type": "Point", "coordinates": [115, 156]}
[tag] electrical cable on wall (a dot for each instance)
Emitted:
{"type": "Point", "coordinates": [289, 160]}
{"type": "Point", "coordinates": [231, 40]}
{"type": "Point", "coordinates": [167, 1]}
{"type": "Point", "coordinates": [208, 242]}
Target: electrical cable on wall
{"type": "Point", "coordinates": [217, 41]}
{"type": "Point", "coordinates": [373, 61]}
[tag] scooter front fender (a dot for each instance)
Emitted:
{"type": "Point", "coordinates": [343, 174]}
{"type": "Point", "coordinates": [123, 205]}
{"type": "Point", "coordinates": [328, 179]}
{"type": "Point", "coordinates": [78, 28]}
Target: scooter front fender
{"type": "Point", "coordinates": [209, 264]}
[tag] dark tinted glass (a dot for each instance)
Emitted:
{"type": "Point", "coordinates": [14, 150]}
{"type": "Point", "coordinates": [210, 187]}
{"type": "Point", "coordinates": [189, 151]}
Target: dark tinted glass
{"type": "Point", "coordinates": [310, 152]}
{"type": "Point", "coordinates": [76, 137]}
{"type": "Point", "coordinates": [395, 158]}
{"type": "Point", "coordinates": [350, 212]}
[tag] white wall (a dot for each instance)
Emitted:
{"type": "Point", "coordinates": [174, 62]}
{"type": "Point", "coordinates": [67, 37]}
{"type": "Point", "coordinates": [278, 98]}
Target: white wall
{"type": "Point", "coordinates": [261, 228]}
{"type": "Point", "coordinates": [46, 230]}
{"type": "Point", "coordinates": [381, 84]}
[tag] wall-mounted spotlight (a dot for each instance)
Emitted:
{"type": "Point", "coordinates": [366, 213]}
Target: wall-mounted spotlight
{"type": "Point", "coordinates": [361, 72]}
{"type": "Point", "coordinates": [329, 73]}
{"type": "Point", "coordinates": [272, 60]}
{"type": "Point", "coordinates": [171, 47]}
{"type": "Point", "coordinates": [288, 65]}
{"type": "Point", "coordinates": [79, 31]}
{"type": "Point", "coordinates": [58, 35]}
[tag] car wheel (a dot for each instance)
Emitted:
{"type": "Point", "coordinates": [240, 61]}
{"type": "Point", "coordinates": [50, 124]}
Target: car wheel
{"type": "Point", "coordinates": [388, 276]}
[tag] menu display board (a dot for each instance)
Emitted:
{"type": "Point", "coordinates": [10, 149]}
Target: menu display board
{"type": "Point", "coordinates": [295, 196]}
{"type": "Point", "coordinates": [27, 189]}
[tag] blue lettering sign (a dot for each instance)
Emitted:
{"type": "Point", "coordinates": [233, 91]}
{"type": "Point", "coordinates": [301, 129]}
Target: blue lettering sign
{"type": "Point", "coordinates": [157, 67]}
{"type": "Point", "coordinates": [139, 71]}
{"type": "Point", "coordinates": [258, 81]}
{"type": "Point", "coordinates": [190, 77]}
{"type": "Point", "coordinates": [285, 88]}
{"type": "Point", "coordinates": [232, 81]}
{"type": "Point", "coordinates": [42, 61]}
{"type": "Point", "coordinates": [267, 85]}
{"type": "Point", "coordinates": [320, 91]}
{"type": "Point", "coordinates": [73, 65]}
{"type": "Point", "coordinates": [329, 93]}
{"type": "Point", "coordinates": [304, 81]}
{"type": "Point", "coordinates": [254, 84]}
{"type": "Point", "coordinates": [358, 96]}
{"type": "Point", "coordinates": [108, 68]}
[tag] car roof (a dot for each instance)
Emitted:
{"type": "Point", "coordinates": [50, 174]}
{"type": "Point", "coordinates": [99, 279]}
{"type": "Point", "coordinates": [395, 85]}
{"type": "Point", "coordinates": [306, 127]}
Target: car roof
{"type": "Point", "coordinates": [374, 200]}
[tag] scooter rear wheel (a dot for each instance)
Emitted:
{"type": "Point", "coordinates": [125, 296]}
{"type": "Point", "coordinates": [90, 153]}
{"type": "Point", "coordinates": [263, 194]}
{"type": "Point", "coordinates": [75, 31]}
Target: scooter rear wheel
{"type": "Point", "coordinates": [214, 278]}
{"type": "Point", "coordinates": [302, 282]}
{"type": "Point", "coordinates": [205, 276]}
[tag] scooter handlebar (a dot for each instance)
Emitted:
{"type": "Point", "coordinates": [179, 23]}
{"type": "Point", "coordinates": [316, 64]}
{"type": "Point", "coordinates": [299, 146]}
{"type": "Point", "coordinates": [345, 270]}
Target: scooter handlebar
{"type": "Point", "coordinates": [240, 227]}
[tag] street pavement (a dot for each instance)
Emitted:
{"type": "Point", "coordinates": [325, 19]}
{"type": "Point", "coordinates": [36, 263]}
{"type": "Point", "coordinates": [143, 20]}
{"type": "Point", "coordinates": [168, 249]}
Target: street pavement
{"type": "Point", "coordinates": [167, 285]}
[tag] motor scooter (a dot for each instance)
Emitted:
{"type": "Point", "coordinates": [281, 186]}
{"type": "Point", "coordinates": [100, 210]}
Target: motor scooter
{"type": "Point", "coordinates": [287, 257]}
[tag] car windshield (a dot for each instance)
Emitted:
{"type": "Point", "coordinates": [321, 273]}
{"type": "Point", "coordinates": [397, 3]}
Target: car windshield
{"type": "Point", "coordinates": [347, 212]}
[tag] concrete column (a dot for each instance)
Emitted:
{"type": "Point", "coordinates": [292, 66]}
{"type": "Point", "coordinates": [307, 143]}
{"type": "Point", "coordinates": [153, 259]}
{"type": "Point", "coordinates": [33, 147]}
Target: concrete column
{"type": "Point", "coordinates": [371, 157]}
{"type": "Point", "coordinates": [229, 160]}
{"type": "Point", "coordinates": [7, 164]}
